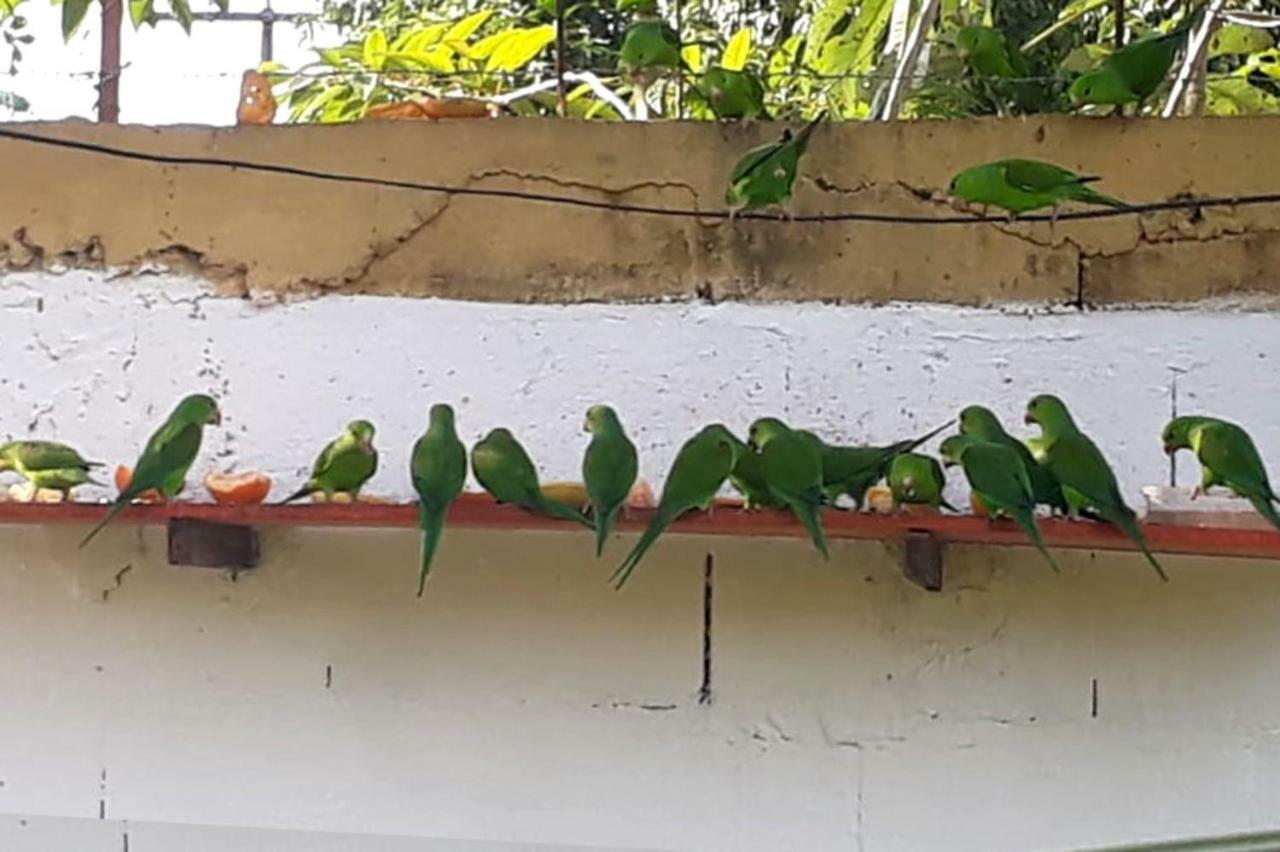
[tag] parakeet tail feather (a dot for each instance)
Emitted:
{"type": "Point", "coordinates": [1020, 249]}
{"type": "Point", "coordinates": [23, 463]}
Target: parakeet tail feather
{"type": "Point", "coordinates": [1027, 520]}
{"type": "Point", "coordinates": [1128, 523]}
{"type": "Point", "coordinates": [431, 521]}
{"type": "Point", "coordinates": [116, 508]}
{"type": "Point", "coordinates": [299, 494]}
{"type": "Point", "coordinates": [812, 520]}
{"type": "Point", "coordinates": [659, 523]}
{"type": "Point", "coordinates": [604, 524]}
{"type": "Point", "coordinates": [556, 509]}
{"type": "Point", "coordinates": [1267, 509]}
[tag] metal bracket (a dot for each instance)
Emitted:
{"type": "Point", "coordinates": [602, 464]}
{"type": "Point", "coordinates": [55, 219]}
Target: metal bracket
{"type": "Point", "coordinates": [212, 545]}
{"type": "Point", "coordinates": [922, 560]}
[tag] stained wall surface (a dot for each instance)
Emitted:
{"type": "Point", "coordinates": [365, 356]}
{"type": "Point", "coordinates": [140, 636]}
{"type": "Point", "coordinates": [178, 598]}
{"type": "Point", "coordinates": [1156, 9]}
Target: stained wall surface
{"type": "Point", "coordinates": [819, 705]}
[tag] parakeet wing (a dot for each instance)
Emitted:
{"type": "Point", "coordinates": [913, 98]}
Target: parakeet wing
{"type": "Point", "coordinates": [1230, 453]}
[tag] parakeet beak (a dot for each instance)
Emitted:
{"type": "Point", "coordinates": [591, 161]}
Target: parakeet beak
{"type": "Point", "coordinates": [1170, 449]}
{"type": "Point", "coordinates": [586, 425]}
{"type": "Point", "coordinates": [948, 463]}
{"type": "Point", "coordinates": [216, 418]}
{"type": "Point", "coordinates": [1029, 418]}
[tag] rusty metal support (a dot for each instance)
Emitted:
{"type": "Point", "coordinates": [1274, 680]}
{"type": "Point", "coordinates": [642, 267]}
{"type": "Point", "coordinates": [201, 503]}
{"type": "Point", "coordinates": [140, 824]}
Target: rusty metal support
{"type": "Point", "coordinates": [109, 63]}
{"type": "Point", "coordinates": [922, 560]}
{"type": "Point", "coordinates": [209, 544]}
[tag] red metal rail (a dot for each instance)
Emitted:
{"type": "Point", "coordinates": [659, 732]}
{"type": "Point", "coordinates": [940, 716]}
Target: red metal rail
{"type": "Point", "coordinates": [479, 511]}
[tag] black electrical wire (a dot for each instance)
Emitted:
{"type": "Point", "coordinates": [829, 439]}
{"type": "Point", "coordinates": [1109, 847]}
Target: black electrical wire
{"type": "Point", "coordinates": [637, 209]}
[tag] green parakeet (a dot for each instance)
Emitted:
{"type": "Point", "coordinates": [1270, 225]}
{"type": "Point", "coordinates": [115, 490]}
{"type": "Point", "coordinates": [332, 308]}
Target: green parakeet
{"type": "Point", "coordinates": [986, 51]}
{"type": "Point", "coordinates": [700, 469]}
{"type": "Point", "coordinates": [1087, 480]}
{"type": "Point", "coordinates": [168, 455]}
{"type": "Point", "coordinates": [917, 479]}
{"type": "Point", "coordinates": [344, 466]}
{"type": "Point", "coordinates": [609, 469]}
{"type": "Point", "coordinates": [438, 469]}
{"type": "Point", "coordinates": [792, 468]}
{"type": "Point", "coordinates": [1227, 457]}
{"type": "Point", "coordinates": [47, 464]}
{"type": "Point", "coordinates": [1019, 186]}
{"type": "Point", "coordinates": [650, 48]}
{"type": "Point", "coordinates": [998, 475]}
{"type": "Point", "coordinates": [505, 470]}
{"type": "Point", "coordinates": [766, 174]}
{"type": "Point", "coordinates": [1132, 73]}
{"type": "Point", "coordinates": [733, 94]}
{"type": "Point", "coordinates": [981, 423]}
{"type": "Point", "coordinates": [748, 480]}
{"type": "Point", "coordinates": [852, 470]}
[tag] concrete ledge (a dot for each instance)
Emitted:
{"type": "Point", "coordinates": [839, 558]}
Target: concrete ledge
{"type": "Point", "coordinates": [262, 234]}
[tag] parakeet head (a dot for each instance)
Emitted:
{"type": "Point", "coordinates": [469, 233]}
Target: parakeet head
{"type": "Point", "coordinates": [198, 408]}
{"type": "Point", "coordinates": [971, 40]}
{"type": "Point", "coordinates": [952, 449]}
{"type": "Point", "coordinates": [441, 414]}
{"type": "Point", "coordinates": [1177, 435]}
{"type": "Point", "coordinates": [765, 430]}
{"type": "Point", "coordinates": [597, 416]}
{"type": "Point", "coordinates": [720, 433]}
{"type": "Point", "coordinates": [970, 184]}
{"type": "Point", "coordinates": [362, 431]}
{"type": "Point", "coordinates": [1049, 412]}
{"type": "Point", "coordinates": [980, 422]}
{"type": "Point", "coordinates": [1099, 87]}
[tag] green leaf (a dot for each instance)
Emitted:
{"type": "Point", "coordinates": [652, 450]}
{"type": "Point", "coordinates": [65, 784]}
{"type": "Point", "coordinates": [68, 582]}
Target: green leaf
{"type": "Point", "coordinates": [182, 11]}
{"type": "Point", "coordinates": [374, 52]}
{"type": "Point", "coordinates": [1236, 96]}
{"type": "Point", "coordinates": [854, 52]}
{"type": "Point", "coordinates": [1237, 40]}
{"type": "Point", "coordinates": [820, 31]}
{"type": "Point", "coordinates": [692, 56]}
{"type": "Point", "coordinates": [466, 28]}
{"type": "Point", "coordinates": [438, 59]}
{"type": "Point", "coordinates": [488, 45]}
{"type": "Point", "coordinates": [1266, 62]}
{"type": "Point", "coordinates": [737, 51]}
{"type": "Point", "coordinates": [73, 12]}
{"type": "Point", "coordinates": [1084, 58]}
{"type": "Point", "coordinates": [141, 12]}
{"type": "Point", "coordinates": [519, 50]}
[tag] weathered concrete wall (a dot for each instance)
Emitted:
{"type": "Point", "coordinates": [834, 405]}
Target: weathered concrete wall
{"type": "Point", "coordinates": [260, 233]}
{"type": "Point", "coordinates": [523, 700]}
{"type": "Point", "coordinates": [98, 361]}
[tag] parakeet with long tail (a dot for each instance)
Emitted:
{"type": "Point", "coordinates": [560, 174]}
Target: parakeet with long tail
{"type": "Point", "coordinates": [504, 469]}
{"type": "Point", "coordinates": [792, 468]}
{"type": "Point", "coordinates": [1020, 186]}
{"type": "Point", "coordinates": [438, 470]}
{"type": "Point", "coordinates": [1227, 457]}
{"type": "Point", "coordinates": [700, 469]}
{"type": "Point", "coordinates": [609, 469]}
{"type": "Point", "coordinates": [981, 423]}
{"type": "Point", "coordinates": [997, 474]}
{"type": "Point", "coordinates": [344, 465]}
{"type": "Point", "coordinates": [47, 465]}
{"type": "Point", "coordinates": [167, 456]}
{"type": "Point", "coordinates": [1087, 480]}
{"type": "Point", "coordinates": [852, 470]}
{"type": "Point", "coordinates": [766, 174]}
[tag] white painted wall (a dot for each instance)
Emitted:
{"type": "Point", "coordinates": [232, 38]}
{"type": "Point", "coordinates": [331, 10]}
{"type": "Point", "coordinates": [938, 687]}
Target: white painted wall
{"type": "Point", "coordinates": [524, 701]}
{"type": "Point", "coordinates": [98, 360]}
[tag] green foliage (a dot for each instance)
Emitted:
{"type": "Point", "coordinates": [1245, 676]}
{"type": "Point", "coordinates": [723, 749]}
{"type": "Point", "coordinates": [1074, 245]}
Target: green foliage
{"type": "Point", "coordinates": [812, 54]}
{"type": "Point", "coordinates": [140, 12]}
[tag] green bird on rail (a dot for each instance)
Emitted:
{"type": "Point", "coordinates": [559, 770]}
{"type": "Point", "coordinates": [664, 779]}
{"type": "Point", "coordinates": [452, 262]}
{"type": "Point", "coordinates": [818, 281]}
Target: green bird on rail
{"type": "Point", "coordinates": [167, 456]}
{"type": "Point", "coordinates": [1020, 186]}
{"type": "Point", "coordinates": [851, 470]}
{"type": "Point", "coordinates": [733, 94]}
{"type": "Point", "coordinates": [981, 423]}
{"type": "Point", "coordinates": [504, 469]}
{"type": "Point", "coordinates": [917, 480]}
{"type": "Point", "coordinates": [609, 469]}
{"type": "Point", "coordinates": [1087, 480]}
{"type": "Point", "coordinates": [344, 465]}
{"type": "Point", "coordinates": [438, 470]}
{"type": "Point", "coordinates": [792, 469]}
{"type": "Point", "coordinates": [700, 469]}
{"type": "Point", "coordinates": [47, 465]}
{"type": "Point", "coordinates": [998, 475]}
{"type": "Point", "coordinates": [1227, 457]}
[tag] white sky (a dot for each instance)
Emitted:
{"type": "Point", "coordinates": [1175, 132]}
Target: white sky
{"type": "Point", "coordinates": [169, 78]}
